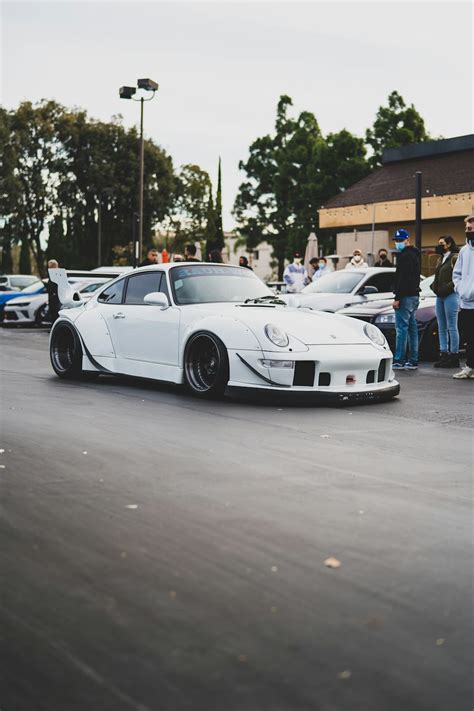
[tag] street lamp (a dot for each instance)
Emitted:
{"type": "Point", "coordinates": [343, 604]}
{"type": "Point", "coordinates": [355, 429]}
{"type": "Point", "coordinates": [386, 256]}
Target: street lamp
{"type": "Point", "coordinates": [128, 92]}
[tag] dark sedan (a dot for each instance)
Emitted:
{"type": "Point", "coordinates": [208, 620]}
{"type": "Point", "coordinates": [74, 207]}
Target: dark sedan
{"type": "Point", "coordinates": [382, 315]}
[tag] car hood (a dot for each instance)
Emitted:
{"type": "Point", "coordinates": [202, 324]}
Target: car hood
{"type": "Point", "coordinates": [321, 302]}
{"type": "Point", "coordinates": [309, 327]}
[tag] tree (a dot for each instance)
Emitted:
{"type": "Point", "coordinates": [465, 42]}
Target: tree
{"type": "Point", "coordinates": [289, 176]}
{"type": "Point", "coordinates": [395, 125]}
{"type": "Point", "coordinates": [219, 231]}
{"type": "Point", "coordinates": [210, 232]}
{"type": "Point", "coordinates": [191, 199]}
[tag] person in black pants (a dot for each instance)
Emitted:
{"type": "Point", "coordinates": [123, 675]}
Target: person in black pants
{"type": "Point", "coordinates": [52, 290]}
{"type": "Point", "coordinates": [407, 298]}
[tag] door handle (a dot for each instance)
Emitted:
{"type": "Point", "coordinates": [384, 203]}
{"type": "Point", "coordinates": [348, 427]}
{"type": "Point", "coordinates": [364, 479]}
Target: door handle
{"type": "Point", "coordinates": [119, 314]}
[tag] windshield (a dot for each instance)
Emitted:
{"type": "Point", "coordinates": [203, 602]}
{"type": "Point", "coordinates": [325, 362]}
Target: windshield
{"type": "Point", "coordinates": [36, 286]}
{"type": "Point", "coordinates": [206, 284]}
{"type": "Point", "coordinates": [334, 283]}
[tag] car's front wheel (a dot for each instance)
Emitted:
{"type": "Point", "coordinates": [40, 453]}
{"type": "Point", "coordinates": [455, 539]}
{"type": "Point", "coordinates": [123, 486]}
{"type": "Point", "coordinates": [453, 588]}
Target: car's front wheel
{"type": "Point", "coordinates": [206, 365]}
{"type": "Point", "coordinates": [65, 351]}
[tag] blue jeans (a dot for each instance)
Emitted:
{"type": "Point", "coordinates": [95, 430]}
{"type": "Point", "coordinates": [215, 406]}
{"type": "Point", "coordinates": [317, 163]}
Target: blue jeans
{"type": "Point", "coordinates": [407, 330]}
{"type": "Point", "coordinates": [447, 308]}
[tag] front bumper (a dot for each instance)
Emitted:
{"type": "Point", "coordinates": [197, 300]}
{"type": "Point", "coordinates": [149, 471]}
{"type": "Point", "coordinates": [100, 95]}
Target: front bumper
{"type": "Point", "coordinates": [324, 374]}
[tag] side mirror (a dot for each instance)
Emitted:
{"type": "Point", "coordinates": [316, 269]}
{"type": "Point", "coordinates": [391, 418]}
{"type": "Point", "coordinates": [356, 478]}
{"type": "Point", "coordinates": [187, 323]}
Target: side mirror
{"type": "Point", "coordinates": [366, 290]}
{"type": "Point", "coordinates": [157, 298]}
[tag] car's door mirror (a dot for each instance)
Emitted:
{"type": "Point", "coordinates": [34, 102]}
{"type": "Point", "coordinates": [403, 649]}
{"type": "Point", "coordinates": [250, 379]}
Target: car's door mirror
{"type": "Point", "coordinates": [157, 298]}
{"type": "Point", "coordinates": [366, 290]}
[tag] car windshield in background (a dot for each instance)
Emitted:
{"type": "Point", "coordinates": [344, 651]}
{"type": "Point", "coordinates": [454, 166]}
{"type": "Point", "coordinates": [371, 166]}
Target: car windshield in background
{"type": "Point", "coordinates": [211, 283]}
{"type": "Point", "coordinates": [36, 286]}
{"type": "Point", "coordinates": [425, 286]}
{"type": "Point", "coordinates": [335, 283]}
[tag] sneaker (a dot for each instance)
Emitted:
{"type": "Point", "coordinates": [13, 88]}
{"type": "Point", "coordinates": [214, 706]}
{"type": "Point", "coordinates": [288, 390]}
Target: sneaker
{"type": "Point", "coordinates": [398, 366]}
{"type": "Point", "coordinates": [465, 373]}
{"type": "Point", "coordinates": [411, 366]}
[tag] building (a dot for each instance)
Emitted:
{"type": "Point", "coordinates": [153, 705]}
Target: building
{"type": "Point", "coordinates": [367, 213]}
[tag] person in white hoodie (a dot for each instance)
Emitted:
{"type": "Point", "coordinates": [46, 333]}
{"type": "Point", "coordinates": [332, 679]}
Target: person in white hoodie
{"type": "Point", "coordinates": [357, 261]}
{"type": "Point", "coordinates": [463, 279]}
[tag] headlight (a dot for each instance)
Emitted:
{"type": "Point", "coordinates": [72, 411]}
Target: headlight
{"type": "Point", "coordinates": [276, 335]}
{"type": "Point", "coordinates": [385, 318]}
{"type": "Point", "coordinates": [374, 334]}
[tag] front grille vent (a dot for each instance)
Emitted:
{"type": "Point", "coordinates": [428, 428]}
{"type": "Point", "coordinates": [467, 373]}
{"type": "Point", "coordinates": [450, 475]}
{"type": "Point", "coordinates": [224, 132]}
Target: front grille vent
{"type": "Point", "coordinates": [382, 370]}
{"type": "Point", "coordinates": [304, 373]}
{"type": "Point", "coordinates": [370, 377]}
{"type": "Point", "coordinates": [324, 379]}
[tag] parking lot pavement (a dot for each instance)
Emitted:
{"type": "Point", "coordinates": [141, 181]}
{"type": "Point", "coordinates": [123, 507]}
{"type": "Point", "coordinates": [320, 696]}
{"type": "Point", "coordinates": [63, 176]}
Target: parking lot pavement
{"type": "Point", "coordinates": [164, 553]}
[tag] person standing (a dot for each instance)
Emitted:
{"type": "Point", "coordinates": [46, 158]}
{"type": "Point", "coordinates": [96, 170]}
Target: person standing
{"type": "Point", "coordinates": [407, 298]}
{"type": "Point", "coordinates": [52, 290]}
{"type": "Point", "coordinates": [244, 262]}
{"type": "Point", "coordinates": [295, 275]}
{"type": "Point", "coordinates": [463, 278]}
{"type": "Point", "coordinates": [323, 268]}
{"type": "Point", "coordinates": [357, 261]}
{"type": "Point", "coordinates": [447, 303]}
{"type": "Point", "coordinates": [152, 257]}
{"type": "Point", "coordinates": [190, 253]}
{"type": "Point", "coordinates": [383, 260]}
{"type": "Point", "coordinates": [314, 264]}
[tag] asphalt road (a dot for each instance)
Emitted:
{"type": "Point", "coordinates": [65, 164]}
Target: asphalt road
{"type": "Point", "coordinates": [159, 553]}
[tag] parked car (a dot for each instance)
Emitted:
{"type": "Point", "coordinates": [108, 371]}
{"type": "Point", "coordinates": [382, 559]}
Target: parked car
{"type": "Point", "coordinates": [37, 287]}
{"type": "Point", "coordinates": [32, 308]}
{"type": "Point", "coordinates": [17, 281]}
{"type": "Point", "coordinates": [336, 290]}
{"type": "Point", "coordinates": [381, 314]}
{"type": "Point", "coordinates": [212, 327]}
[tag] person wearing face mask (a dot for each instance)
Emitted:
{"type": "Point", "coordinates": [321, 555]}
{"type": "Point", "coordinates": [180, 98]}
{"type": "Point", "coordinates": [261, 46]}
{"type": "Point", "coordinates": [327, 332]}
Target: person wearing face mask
{"type": "Point", "coordinates": [357, 261]}
{"type": "Point", "coordinates": [323, 269]}
{"type": "Point", "coordinates": [383, 260]}
{"type": "Point", "coordinates": [447, 303]}
{"type": "Point", "coordinates": [407, 298]}
{"type": "Point", "coordinates": [295, 275]}
{"type": "Point", "coordinates": [463, 278]}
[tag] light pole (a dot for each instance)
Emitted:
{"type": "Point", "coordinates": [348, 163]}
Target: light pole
{"type": "Point", "coordinates": [128, 92]}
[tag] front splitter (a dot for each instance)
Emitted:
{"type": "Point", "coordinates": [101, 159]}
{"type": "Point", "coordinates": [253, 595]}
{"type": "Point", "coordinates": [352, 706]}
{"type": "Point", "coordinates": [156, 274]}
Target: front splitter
{"type": "Point", "coordinates": [314, 397]}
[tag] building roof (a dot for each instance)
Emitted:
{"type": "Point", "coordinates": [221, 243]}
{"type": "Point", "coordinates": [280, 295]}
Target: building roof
{"type": "Point", "coordinates": [443, 173]}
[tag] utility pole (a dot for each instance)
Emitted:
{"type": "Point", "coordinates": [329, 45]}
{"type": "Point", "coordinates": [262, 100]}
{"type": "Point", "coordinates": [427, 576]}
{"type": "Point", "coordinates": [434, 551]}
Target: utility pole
{"type": "Point", "coordinates": [418, 227]}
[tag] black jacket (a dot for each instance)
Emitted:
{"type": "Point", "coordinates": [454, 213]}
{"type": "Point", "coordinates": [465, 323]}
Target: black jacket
{"type": "Point", "coordinates": [53, 299]}
{"type": "Point", "coordinates": [407, 275]}
{"type": "Point", "coordinates": [146, 263]}
{"type": "Point", "coordinates": [443, 282]}
{"type": "Point", "coordinates": [383, 263]}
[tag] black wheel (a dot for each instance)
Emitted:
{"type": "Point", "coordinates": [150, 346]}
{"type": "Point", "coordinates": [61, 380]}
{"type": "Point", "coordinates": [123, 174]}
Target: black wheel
{"type": "Point", "coordinates": [206, 365]}
{"type": "Point", "coordinates": [65, 351]}
{"type": "Point", "coordinates": [429, 344]}
{"type": "Point", "coordinates": [42, 315]}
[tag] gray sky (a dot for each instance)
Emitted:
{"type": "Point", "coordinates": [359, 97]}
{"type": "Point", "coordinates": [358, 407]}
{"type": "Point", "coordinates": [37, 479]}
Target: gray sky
{"type": "Point", "coordinates": [222, 67]}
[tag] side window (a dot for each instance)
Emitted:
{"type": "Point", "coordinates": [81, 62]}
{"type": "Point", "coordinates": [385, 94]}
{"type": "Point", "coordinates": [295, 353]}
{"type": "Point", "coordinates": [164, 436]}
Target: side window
{"type": "Point", "coordinates": [112, 294]}
{"type": "Point", "coordinates": [139, 285]}
{"type": "Point", "coordinates": [382, 282]}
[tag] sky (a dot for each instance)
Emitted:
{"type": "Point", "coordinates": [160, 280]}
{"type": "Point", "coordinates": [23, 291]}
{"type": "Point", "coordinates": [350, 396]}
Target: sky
{"type": "Point", "coordinates": [222, 66]}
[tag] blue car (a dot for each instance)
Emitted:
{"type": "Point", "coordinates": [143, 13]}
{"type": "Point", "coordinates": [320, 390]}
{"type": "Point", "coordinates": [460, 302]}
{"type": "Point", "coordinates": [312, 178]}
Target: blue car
{"type": "Point", "coordinates": [37, 287]}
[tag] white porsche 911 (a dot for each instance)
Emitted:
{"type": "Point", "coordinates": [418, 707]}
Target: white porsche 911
{"type": "Point", "coordinates": [216, 327]}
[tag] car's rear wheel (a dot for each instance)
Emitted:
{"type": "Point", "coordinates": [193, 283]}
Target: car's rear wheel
{"type": "Point", "coordinates": [206, 365]}
{"type": "Point", "coordinates": [65, 351]}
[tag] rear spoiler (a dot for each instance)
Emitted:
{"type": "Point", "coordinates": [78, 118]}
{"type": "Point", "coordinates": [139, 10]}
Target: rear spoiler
{"type": "Point", "coordinates": [66, 294]}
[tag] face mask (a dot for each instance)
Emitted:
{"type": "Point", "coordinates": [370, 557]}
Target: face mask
{"type": "Point", "coordinates": [357, 258]}
{"type": "Point", "coordinates": [439, 249]}
{"type": "Point", "coordinates": [383, 256]}
{"type": "Point", "coordinates": [399, 246]}
{"type": "Point", "coordinates": [470, 238]}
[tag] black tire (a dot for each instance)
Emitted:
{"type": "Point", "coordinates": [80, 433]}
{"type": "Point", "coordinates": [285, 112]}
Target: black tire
{"type": "Point", "coordinates": [41, 315]}
{"type": "Point", "coordinates": [206, 365]}
{"type": "Point", "coordinates": [429, 345]}
{"type": "Point", "coordinates": [65, 351]}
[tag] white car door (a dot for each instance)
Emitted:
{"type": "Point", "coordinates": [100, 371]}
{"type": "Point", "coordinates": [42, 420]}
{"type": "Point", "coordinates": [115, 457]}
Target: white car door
{"type": "Point", "coordinates": [145, 336]}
